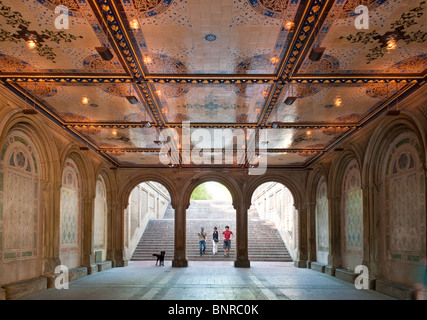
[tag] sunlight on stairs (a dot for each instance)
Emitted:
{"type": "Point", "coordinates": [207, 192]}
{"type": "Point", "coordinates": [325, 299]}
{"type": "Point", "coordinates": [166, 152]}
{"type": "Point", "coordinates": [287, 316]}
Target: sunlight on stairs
{"type": "Point", "coordinates": [264, 241]}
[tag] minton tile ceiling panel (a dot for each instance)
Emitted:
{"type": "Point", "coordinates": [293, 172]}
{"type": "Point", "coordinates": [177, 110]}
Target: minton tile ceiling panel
{"type": "Point", "coordinates": [321, 103]}
{"type": "Point", "coordinates": [288, 159]}
{"type": "Point", "coordinates": [394, 43]}
{"type": "Point", "coordinates": [221, 36]}
{"type": "Point", "coordinates": [72, 50]}
{"type": "Point", "coordinates": [136, 158]}
{"type": "Point", "coordinates": [105, 102]}
{"type": "Point", "coordinates": [211, 103]}
{"type": "Point", "coordinates": [120, 138]}
{"type": "Point", "coordinates": [316, 139]}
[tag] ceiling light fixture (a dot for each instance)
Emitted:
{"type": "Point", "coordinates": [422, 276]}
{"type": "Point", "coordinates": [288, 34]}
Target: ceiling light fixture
{"type": "Point", "coordinates": [85, 100]}
{"type": "Point", "coordinates": [134, 24]}
{"type": "Point", "coordinates": [274, 60]}
{"type": "Point", "coordinates": [147, 60]}
{"type": "Point", "coordinates": [105, 53]}
{"type": "Point", "coordinates": [32, 44]}
{"type": "Point", "coordinates": [289, 25]}
{"type": "Point", "coordinates": [338, 102]}
{"type": "Point", "coordinates": [391, 43]}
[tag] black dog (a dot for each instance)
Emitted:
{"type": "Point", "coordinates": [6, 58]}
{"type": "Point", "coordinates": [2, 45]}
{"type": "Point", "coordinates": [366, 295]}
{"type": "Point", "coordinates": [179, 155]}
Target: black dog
{"type": "Point", "coordinates": [160, 257]}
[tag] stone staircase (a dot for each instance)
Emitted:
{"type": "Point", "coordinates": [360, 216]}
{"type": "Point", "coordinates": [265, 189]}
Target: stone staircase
{"type": "Point", "coordinates": [264, 241]}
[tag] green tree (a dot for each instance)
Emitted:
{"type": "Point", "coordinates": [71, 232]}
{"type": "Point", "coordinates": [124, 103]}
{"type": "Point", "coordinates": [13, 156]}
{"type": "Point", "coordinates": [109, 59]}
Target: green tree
{"type": "Point", "coordinates": [201, 193]}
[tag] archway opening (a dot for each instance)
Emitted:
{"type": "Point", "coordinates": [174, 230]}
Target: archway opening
{"type": "Point", "coordinates": [211, 206]}
{"type": "Point", "coordinates": [272, 224]}
{"type": "Point", "coordinates": [149, 223]}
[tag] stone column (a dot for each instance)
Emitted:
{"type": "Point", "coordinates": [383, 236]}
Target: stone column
{"type": "Point", "coordinates": [180, 259]}
{"type": "Point", "coordinates": [242, 260]}
{"type": "Point", "coordinates": [311, 233]}
{"type": "Point", "coordinates": [371, 232]}
{"type": "Point", "coordinates": [87, 236]}
{"type": "Point", "coordinates": [301, 252]}
{"type": "Point", "coordinates": [334, 260]}
{"type": "Point", "coordinates": [51, 243]}
{"type": "Point", "coordinates": [118, 235]}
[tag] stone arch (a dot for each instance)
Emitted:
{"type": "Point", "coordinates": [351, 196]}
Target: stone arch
{"type": "Point", "coordinates": [104, 171]}
{"type": "Point", "coordinates": [338, 167]}
{"type": "Point", "coordinates": [315, 177]}
{"type": "Point", "coordinates": [295, 188]}
{"type": "Point", "coordinates": [32, 127]}
{"type": "Point", "coordinates": [393, 260]}
{"type": "Point", "coordinates": [50, 175]}
{"type": "Point", "coordinates": [20, 207]}
{"type": "Point", "coordinates": [100, 220]}
{"type": "Point", "coordinates": [169, 184]}
{"type": "Point", "coordinates": [203, 177]}
{"type": "Point", "coordinates": [71, 216]}
{"type": "Point", "coordinates": [380, 140]}
{"type": "Point", "coordinates": [83, 162]}
{"type": "Point", "coordinates": [345, 255]}
{"type": "Point", "coordinates": [296, 240]}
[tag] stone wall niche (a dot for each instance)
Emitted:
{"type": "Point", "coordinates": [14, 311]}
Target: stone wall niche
{"type": "Point", "coordinates": [402, 211]}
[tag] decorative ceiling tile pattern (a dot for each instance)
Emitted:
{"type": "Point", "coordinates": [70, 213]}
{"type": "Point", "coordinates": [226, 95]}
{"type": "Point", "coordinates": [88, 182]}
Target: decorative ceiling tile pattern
{"type": "Point", "coordinates": [212, 103]}
{"type": "Point", "coordinates": [69, 50]}
{"type": "Point", "coordinates": [223, 64]}
{"type": "Point", "coordinates": [89, 102]}
{"type": "Point", "coordinates": [224, 36]}
{"type": "Point", "coordinates": [321, 103]}
{"type": "Point", "coordinates": [352, 50]}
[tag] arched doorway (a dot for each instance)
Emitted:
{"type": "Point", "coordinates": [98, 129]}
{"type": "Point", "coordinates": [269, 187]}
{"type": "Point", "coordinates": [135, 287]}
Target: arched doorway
{"type": "Point", "coordinates": [148, 222]}
{"type": "Point", "coordinates": [273, 222]}
{"type": "Point", "coordinates": [211, 205]}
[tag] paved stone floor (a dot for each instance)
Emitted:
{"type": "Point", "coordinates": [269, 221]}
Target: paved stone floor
{"type": "Point", "coordinates": [209, 280]}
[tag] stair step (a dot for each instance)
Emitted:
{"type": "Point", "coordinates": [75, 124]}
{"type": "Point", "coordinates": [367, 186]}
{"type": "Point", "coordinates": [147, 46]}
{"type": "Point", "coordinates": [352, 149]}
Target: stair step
{"type": "Point", "coordinates": [265, 242]}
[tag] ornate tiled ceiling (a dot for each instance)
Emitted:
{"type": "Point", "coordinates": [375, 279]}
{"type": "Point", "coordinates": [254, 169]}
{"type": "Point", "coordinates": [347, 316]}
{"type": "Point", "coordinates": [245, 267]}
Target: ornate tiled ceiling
{"type": "Point", "coordinates": [224, 64]}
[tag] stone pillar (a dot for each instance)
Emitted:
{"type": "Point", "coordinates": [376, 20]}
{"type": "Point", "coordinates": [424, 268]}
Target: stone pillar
{"type": "Point", "coordinates": [301, 252]}
{"type": "Point", "coordinates": [334, 260]}
{"type": "Point", "coordinates": [311, 233]}
{"type": "Point", "coordinates": [87, 236]}
{"type": "Point", "coordinates": [51, 210]}
{"type": "Point", "coordinates": [242, 260]}
{"type": "Point", "coordinates": [180, 259]}
{"type": "Point", "coordinates": [371, 233]}
{"type": "Point", "coordinates": [118, 235]}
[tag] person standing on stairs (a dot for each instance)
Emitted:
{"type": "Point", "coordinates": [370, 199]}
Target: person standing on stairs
{"type": "Point", "coordinates": [215, 241]}
{"type": "Point", "coordinates": [202, 241]}
{"type": "Point", "coordinates": [227, 240]}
